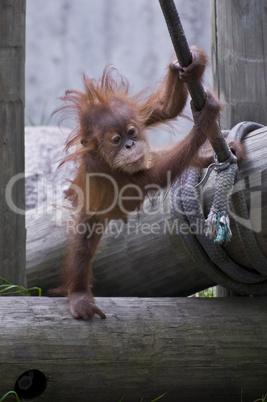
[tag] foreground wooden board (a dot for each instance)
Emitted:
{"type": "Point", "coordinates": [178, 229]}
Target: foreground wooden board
{"type": "Point", "coordinates": [193, 349]}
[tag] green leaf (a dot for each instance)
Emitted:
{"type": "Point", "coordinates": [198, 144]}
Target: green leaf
{"type": "Point", "coordinates": [13, 393]}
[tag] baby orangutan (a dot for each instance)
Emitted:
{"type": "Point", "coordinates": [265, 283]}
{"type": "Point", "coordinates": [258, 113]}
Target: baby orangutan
{"type": "Point", "coordinates": [116, 168]}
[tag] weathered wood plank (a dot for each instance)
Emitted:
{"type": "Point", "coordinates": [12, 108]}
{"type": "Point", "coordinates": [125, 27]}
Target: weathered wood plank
{"type": "Point", "coordinates": [193, 349]}
{"type": "Point", "coordinates": [239, 40]}
{"type": "Point", "coordinates": [12, 93]}
{"type": "Point", "coordinates": [140, 261]}
{"type": "Point", "coordinates": [239, 62]}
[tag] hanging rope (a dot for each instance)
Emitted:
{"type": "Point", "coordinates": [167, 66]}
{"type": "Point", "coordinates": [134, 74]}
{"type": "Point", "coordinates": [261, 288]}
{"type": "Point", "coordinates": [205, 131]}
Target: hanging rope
{"type": "Point", "coordinates": [217, 225]}
{"type": "Point", "coordinates": [182, 49]}
{"type": "Point", "coordinates": [184, 57]}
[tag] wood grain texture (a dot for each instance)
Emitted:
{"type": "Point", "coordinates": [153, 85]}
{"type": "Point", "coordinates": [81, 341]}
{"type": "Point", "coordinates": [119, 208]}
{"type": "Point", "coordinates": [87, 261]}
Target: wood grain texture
{"type": "Point", "coordinates": [139, 261]}
{"type": "Point", "coordinates": [239, 59]}
{"type": "Point", "coordinates": [12, 94]}
{"type": "Point", "coordinates": [193, 349]}
{"type": "Point", "coordinates": [142, 262]}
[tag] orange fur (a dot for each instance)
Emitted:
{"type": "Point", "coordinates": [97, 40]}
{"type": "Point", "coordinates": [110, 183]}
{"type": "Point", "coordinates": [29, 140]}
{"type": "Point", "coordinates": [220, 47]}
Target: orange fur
{"type": "Point", "coordinates": [113, 156]}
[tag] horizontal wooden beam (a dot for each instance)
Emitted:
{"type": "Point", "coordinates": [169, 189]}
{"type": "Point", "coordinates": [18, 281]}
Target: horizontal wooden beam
{"type": "Point", "coordinates": [192, 349]}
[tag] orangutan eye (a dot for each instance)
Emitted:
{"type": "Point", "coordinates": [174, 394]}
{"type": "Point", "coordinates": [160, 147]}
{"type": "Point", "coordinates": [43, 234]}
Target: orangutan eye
{"type": "Point", "coordinates": [115, 139]}
{"type": "Point", "coordinates": [131, 131]}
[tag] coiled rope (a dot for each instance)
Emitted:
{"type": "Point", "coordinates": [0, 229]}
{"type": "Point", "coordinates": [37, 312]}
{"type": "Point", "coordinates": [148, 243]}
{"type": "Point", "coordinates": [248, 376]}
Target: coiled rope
{"type": "Point", "coordinates": [208, 255]}
{"type": "Point", "coordinates": [186, 208]}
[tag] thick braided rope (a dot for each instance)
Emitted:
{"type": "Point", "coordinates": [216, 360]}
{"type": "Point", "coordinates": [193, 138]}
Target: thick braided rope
{"type": "Point", "coordinates": [218, 223]}
{"type": "Point", "coordinates": [209, 256]}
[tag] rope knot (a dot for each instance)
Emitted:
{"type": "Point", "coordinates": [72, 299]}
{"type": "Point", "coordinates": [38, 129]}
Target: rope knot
{"type": "Point", "coordinates": [217, 225]}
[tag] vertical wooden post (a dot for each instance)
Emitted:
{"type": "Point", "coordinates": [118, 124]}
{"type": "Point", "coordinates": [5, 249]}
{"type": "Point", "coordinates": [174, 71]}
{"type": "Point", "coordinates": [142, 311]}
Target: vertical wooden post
{"type": "Point", "coordinates": [12, 100]}
{"type": "Point", "coordinates": [239, 61]}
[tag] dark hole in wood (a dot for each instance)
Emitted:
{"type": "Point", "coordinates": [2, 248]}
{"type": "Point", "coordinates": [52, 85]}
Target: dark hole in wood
{"type": "Point", "coordinates": [30, 385]}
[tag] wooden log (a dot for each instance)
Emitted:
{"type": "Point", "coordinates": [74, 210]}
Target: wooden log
{"type": "Point", "coordinates": [192, 349]}
{"type": "Point", "coordinates": [239, 33]}
{"type": "Point", "coordinates": [140, 261]}
{"type": "Point", "coordinates": [239, 62]}
{"type": "Point", "coordinates": [12, 94]}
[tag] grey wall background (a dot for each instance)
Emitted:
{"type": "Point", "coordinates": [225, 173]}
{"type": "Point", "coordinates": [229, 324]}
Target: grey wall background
{"type": "Point", "coordinates": [65, 38]}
